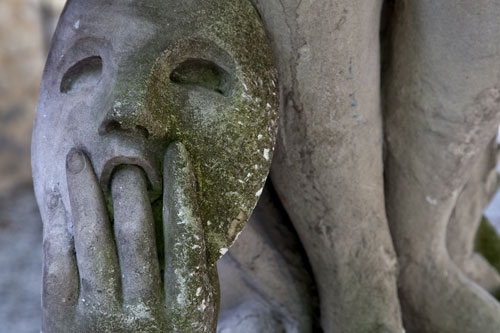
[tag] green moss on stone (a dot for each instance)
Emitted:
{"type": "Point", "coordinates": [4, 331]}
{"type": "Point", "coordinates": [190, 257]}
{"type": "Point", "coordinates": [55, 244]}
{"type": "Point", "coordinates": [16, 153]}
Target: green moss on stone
{"type": "Point", "coordinates": [487, 243]}
{"type": "Point", "coordinates": [216, 92]}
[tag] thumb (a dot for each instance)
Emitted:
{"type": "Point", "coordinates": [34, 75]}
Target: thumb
{"type": "Point", "coordinates": [190, 287]}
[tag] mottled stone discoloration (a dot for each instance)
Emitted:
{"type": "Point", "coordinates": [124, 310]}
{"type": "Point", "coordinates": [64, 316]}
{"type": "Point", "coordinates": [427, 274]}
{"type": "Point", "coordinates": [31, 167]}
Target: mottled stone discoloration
{"type": "Point", "coordinates": [220, 132]}
{"type": "Point", "coordinates": [442, 109]}
{"type": "Point", "coordinates": [467, 218]}
{"type": "Point", "coordinates": [192, 74]}
{"type": "Point", "coordinates": [327, 166]}
{"type": "Point", "coordinates": [266, 281]}
{"type": "Point", "coordinates": [190, 288]}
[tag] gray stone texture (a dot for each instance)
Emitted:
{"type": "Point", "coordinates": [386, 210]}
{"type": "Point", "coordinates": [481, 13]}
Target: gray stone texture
{"type": "Point", "coordinates": [466, 216]}
{"type": "Point", "coordinates": [328, 167]}
{"type": "Point", "coordinates": [265, 281]}
{"type": "Point", "coordinates": [151, 146]}
{"type": "Point", "coordinates": [441, 110]}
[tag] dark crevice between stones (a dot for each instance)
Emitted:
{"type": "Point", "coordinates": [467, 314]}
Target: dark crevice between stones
{"type": "Point", "coordinates": [286, 223]}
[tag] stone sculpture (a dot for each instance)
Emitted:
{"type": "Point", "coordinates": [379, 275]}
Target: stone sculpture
{"type": "Point", "coordinates": [333, 163]}
{"type": "Point", "coordinates": [135, 93]}
{"type": "Point", "coordinates": [265, 281]}
{"type": "Point", "coordinates": [442, 109]}
{"type": "Point", "coordinates": [328, 166]}
{"type": "Point", "coordinates": [466, 217]}
{"type": "Point", "coordinates": [369, 183]}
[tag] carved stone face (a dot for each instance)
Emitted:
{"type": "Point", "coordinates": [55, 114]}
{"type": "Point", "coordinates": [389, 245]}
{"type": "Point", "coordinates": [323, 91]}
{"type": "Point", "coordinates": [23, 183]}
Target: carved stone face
{"type": "Point", "coordinates": [124, 79]}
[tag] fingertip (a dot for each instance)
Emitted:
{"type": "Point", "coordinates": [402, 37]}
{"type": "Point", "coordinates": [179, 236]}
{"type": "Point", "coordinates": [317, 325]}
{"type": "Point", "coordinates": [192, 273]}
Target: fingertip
{"type": "Point", "coordinates": [94, 245]}
{"type": "Point", "coordinates": [176, 154]}
{"type": "Point", "coordinates": [75, 161]}
{"type": "Point", "coordinates": [135, 236]}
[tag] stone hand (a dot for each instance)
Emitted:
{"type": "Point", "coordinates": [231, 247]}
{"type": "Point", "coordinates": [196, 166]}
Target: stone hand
{"type": "Point", "coordinates": [109, 278]}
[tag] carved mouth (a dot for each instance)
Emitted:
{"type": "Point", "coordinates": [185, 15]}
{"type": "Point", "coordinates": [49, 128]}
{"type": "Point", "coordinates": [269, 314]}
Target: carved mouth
{"type": "Point", "coordinates": [154, 179]}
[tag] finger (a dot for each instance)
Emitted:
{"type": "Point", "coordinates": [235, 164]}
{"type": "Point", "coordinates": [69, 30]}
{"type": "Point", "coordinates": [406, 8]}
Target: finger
{"type": "Point", "coordinates": [95, 248]}
{"type": "Point", "coordinates": [135, 237]}
{"type": "Point", "coordinates": [188, 285]}
{"type": "Point", "coordinates": [60, 275]}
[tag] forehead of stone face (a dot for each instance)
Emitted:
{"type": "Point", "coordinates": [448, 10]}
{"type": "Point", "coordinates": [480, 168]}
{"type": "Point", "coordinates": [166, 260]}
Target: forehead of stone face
{"type": "Point", "coordinates": [138, 31]}
{"type": "Point", "coordinates": [130, 34]}
{"type": "Point", "coordinates": [132, 24]}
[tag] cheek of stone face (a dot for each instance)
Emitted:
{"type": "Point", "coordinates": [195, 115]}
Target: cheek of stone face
{"type": "Point", "coordinates": [225, 116]}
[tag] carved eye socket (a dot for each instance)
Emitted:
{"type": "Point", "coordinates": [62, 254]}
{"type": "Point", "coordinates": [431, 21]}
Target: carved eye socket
{"type": "Point", "coordinates": [82, 75]}
{"type": "Point", "coordinates": [202, 73]}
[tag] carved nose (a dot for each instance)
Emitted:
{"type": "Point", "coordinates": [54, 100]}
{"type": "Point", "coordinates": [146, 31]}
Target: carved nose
{"type": "Point", "coordinates": [125, 140]}
{"type": "Point", "coordinates": [123, 120]}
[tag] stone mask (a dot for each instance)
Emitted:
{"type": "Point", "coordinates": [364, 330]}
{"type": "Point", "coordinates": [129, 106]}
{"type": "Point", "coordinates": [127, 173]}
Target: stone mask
{"type": "Point", "coordinates": [124, 79]}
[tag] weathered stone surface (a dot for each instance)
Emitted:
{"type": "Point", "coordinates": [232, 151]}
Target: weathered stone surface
{"type": "Point", "coordinates": [440, 114]}
{"type": "Point", "coordinates": [195, 77]}
{"type": "Point", "coordinates": [328, 162]}
{"type": "Point", "coordinates": [442, 108]}
{"type": "Point", "coordinates": [149, 112]}
{"type": "Point", "coordinates": [265, 282]}
{"type": "Point", "coordinates": [466, 218]}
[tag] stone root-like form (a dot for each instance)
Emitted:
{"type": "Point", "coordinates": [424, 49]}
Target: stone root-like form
{"type": "Point", "coordinates": [441, 109]}
{"type": "Point", "coordinates": [467, 216]}
{"type": "Point", "coordinates": [328, 166]}
{"type": "Point", "coordinates": [265, 286]}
